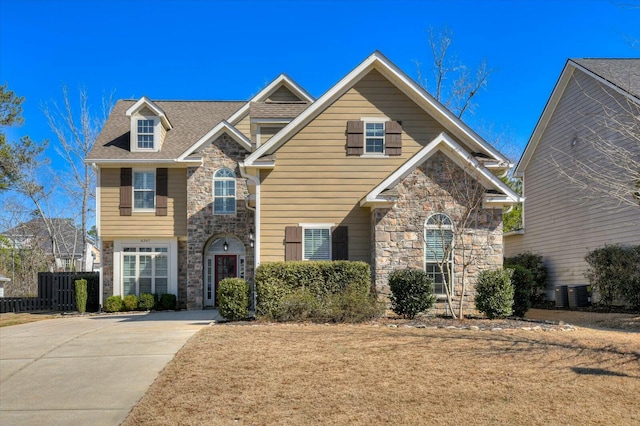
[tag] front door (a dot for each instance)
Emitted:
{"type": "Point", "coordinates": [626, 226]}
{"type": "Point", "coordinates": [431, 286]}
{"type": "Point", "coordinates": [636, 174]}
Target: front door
{"type": "Point", "coordinates": [219, 267]}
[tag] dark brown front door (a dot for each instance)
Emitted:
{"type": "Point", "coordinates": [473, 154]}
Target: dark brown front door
{"type": "Point", "coordinates": [226, 267]}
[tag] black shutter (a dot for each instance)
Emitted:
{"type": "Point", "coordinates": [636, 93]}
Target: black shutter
{"type": "Point", "coordinates": [339, 243]}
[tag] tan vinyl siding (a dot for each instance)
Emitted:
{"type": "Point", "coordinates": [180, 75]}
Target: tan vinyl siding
{"type": "Point", "coordinates": [267, 132]}
{"type": "Point", "coordinates": [244, 126]}
{"type": "Point", "coordinates": [112, 225]}
{"type": "Point", "coordinates": [282, 94]}
{"type": "Point", "coordinates": [316, 182]}
{"type": "Point", "coordinates": [559, 223]}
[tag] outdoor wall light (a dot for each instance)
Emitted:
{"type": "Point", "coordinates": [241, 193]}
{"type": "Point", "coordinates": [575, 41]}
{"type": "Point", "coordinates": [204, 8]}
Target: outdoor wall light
{"type": "Point", "coordinates": [251, 238]}
{"type": "Point", "coordinates": [225, 245]}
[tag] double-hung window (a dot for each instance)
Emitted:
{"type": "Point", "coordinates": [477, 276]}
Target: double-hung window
{"type": "Point", "coordinates": [145, 134]}
{"type": "Point", "coordinates": [224, 192]}
{"type": "Point", "coordinates": [374, 137]}
{"type": "Point", "coordinates": [438, 252]}
{"type": "Point", "coordinates": [145, 270]}
{"type": "Point", "coordinates": [316, 244]}
{"type": "Point", "coordinates": [144, 189]}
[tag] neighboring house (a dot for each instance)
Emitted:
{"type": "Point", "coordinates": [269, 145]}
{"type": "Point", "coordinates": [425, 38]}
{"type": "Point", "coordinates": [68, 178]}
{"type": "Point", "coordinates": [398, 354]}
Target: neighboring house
{"type": "Point", "coordinates": [563, 217]}
{"type": "Point", "coordinates": [192, 192]}
{"type": "Point", "coordinates": [65, 249]}
{"type": "Point", "coordinates": [3, 280]}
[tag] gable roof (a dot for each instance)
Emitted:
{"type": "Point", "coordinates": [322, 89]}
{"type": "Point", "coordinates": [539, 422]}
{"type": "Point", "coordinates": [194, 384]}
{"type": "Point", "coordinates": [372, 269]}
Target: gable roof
{"type": "Point", "coordinates": [67, 236]}
{"type": "Point", "coordinates": [191, 121]}
{"type": "Point", "coordinates": [146, 102]}
{"type": "Point", "coordinates": [380, 63]}
{"type": "Point", "coordinates": [621, 75]}
{"type": "Point", "coordinates": [261, 96]}
{"type": "Point", "coordinates": [213, 134]}
{"type": "Point", "coordinates": [445, 144]}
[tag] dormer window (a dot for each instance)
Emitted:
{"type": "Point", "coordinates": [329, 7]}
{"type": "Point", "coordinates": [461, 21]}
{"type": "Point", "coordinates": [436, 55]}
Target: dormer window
{"type": "Point", "coordinates": [149, 126]}
{"type": "Point", "coordinates": [145, 134]}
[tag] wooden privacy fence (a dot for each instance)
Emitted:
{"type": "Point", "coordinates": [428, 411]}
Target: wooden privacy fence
{"type": "Point", "coordinates": [56, 292]}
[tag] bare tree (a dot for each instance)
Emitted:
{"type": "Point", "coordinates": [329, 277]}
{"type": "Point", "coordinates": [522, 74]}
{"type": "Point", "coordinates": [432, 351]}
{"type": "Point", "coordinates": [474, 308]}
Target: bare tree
{"type": "Point", "coordinates": [607, 131]}
{"type": "Point", "coordinates": [76, 133]}
{"type": "Point", "coordinates": [453, 214]}
{"type": "Point", "coordinates": [452, 84]}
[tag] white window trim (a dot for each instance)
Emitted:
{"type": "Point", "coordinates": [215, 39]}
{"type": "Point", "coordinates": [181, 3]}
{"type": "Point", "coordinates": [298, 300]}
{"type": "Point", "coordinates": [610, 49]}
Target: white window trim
{"type": "Point", "coordinates": [235, 191]}
{"type": "Point", "coordinates": [134, 133]}
{"type": "Point", "coordinates": [366, 154]}
{"type": "Point", "coordinates": [327, 226]}
{"type": "Point", "coordinates": [133, 189]}
{"type": "Point", "coordinates": [172, 254]}
{"type": "Point", "coordinates": [451, 260]}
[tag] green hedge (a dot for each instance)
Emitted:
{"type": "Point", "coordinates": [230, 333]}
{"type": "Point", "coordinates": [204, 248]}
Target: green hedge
{"type": "Point", "coordinates": [233, 299]}
{"type": "Point", "coordinates": [535, 264]}
{"type": "Point", "coordinates": [81, 295]}
{"type": "Point", "coordinates": [411, 292]}
{"type": "Point", "coordinates": [494, 293]}
{"type": "Point", "coordinates": [614, 272]}
{"type": "Point", "coordinates": [315, 290]}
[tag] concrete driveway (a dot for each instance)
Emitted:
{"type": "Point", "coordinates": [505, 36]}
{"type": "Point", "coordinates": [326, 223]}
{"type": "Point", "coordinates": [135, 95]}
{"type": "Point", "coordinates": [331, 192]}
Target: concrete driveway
{"type": "Point", "coordinates": [87, 370]}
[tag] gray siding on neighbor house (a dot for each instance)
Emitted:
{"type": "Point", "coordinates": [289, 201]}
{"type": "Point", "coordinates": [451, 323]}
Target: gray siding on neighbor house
{"type": "Point", "coordinates": [559, 222]}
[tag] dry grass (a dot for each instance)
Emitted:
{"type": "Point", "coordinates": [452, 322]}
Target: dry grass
{"type": "Point", "coordinates": [23, 318]}
{"type": "Point", "coordinates": [266, 374]}
{"type": "Point", "coordinates": [628, 322]}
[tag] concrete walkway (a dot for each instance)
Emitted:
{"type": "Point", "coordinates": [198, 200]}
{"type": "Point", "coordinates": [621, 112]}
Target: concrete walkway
{"type": "Point", "coordinates": [87, 370]}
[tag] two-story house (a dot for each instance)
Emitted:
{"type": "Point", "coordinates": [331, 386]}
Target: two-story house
{"type": "Point", "coordinates": [192, 192]}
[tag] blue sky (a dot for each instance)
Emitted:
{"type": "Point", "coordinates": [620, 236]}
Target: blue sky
{"type": "Point", "coordinates": [222, 50]}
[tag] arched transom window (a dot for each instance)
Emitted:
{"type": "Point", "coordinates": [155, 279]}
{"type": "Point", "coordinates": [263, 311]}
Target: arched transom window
{"type": "Point", "coordinates": [438, 251]}
{"type": "Point", "coordinates": [224, 192]}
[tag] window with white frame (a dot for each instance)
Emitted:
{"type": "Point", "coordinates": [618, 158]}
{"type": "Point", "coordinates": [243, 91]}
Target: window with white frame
{"type": "Point", "coordinates": [145, 270]}
{"type": "Point", "coordinates": [374, 137]}
{"type": "Point", "coordinates": [224, 192]}
{"type": "Point", "coordinates": [144, 189]}
{"type": "Point", "coordinates": [316, 244]}
{"type": "Point", "coordinates": [145, 134]}
{"type": "Point", "coordinates": [438, 251]}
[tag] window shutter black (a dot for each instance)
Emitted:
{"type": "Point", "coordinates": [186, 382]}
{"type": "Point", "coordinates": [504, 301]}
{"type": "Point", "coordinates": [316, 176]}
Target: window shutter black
{"type": "Point", "coordinates": [339, 243]}
{"type": "Point", "coordinates": [162, 184]}
{"type": "Point", "coordinates": [126, 191]}
{"type": "Point", "coordinates": [355, 137]}
{"type": "Point", "coordinates": [393, 138]}
{"type": "Point", "coordinates": [293, 243]}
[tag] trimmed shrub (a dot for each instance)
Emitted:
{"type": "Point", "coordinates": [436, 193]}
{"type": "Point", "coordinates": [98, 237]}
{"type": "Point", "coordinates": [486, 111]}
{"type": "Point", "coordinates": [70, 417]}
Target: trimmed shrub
{"type": "Point", "coordinates": [167, 302]}
{"type": "Point", "coordinates": [319, 291]}
{"type": "Point", "coordinates": [113, 304]}
{"type": "Point", "coordinates": [614, 272]}
{"type": "Point", "coordinates": [411, 292]}
{"type": "Point", "coordinates": [81, 295]}
{"type": "Point", "coordinates": [233, 299]}
{"type": "Point", "coordinates": [535, 264]}
{"type": "Point", "coordinates": [130, 302]}
{"type": "Point", "coordinates": [146, 302]}
{"type": "Point", "coordinates": [494, 293]}
{"type": "Point", "coordinates": [523, 289]}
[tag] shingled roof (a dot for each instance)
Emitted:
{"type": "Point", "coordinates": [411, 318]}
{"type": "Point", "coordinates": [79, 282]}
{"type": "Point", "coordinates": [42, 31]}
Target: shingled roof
{"type": "Point", "coordinates": [277, 109]}
{"type": "Point", "coordinates": [624, 73]}
{"type": "Point", "coordinates": [190, 119]}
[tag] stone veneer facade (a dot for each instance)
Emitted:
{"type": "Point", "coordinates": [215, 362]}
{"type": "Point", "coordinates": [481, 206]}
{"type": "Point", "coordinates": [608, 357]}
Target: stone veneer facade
{"type": "Point", "coordinates": [203, 225]}
{"type": "Point", "coordinates": [437, 186]}
{"type": "Point", "coordinates": [107, 269]}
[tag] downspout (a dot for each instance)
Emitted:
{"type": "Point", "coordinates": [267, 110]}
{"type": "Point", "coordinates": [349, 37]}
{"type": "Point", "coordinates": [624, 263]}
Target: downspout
{"type": "Point", "coordinates": [99, 240]}
{"type": "Point", "coordinates": [256, 226]}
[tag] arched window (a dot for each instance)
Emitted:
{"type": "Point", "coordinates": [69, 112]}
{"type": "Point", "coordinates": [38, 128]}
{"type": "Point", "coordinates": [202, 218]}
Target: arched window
{"type": "Point", "coordinates": [438, 251]}
{"type": "Point", "coordinates": [224, 192]}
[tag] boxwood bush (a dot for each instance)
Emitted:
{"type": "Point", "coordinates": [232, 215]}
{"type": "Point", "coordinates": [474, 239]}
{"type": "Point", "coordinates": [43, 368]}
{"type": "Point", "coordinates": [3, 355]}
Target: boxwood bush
{"type": "Point", "coordinates": [316, 291]}
{"type": "Point", "coordinates": [113, 304]}
{"type": "Point", "coordinates": [146, 302]}
{"type": "Point", "coordinates": [233, 299]}
{"type": "Point", "coordinates": [524, 287]}
{"type": "Point", "coordinates": [411, 292]}
{"type": "Point", "coordinates": [494, 293]}
{"type": "Point", "coordinates": [166, 302]}
{"type": "Point", "coordinates": [130, 302]}
{"type": "Point", "coordinates": [535, 264]}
